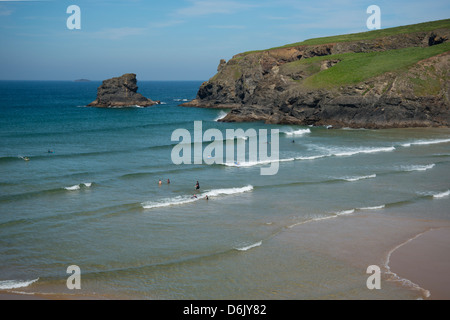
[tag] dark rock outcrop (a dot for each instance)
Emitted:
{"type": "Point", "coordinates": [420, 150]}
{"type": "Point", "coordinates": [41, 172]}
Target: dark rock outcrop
{"type": "Point", "coordinates": [120, 92]}
{"type": "Point", "coordinates": [269, 86]}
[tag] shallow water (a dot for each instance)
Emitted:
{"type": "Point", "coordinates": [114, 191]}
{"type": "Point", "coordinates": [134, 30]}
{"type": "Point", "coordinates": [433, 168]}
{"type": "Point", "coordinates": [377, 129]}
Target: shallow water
{"type": "Point", "coordinates": [89, 196]}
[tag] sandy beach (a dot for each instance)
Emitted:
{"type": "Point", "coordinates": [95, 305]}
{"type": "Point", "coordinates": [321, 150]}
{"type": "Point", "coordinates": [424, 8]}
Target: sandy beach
{"type": "Point", "coordinates": [425, 261]}
{"type": "Point", "coordinates": [8, 295]}
{"type": "Point", "coordinates": [420, 265]}
{"type": "Point", "coordinates": [15, 296]}
{"type": "Point", "coordinates": [411, 253]}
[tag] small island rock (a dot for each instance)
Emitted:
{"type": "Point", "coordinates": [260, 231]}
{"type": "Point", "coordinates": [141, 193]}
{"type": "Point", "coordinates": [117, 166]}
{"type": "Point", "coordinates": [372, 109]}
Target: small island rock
{"type": "Point", "coordinates": [120, 92]}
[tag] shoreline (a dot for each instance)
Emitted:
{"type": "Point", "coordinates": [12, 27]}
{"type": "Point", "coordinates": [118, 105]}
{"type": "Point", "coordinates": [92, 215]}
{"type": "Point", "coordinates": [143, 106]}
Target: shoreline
{"type": "Point", "coordinates": [17, 295]}
{"type": "Point", "coordinates": [423, 262]}
{"type": "Point", "coordinates": [411, 253]}
{"type": "Point", "coordinates": [407, 250]}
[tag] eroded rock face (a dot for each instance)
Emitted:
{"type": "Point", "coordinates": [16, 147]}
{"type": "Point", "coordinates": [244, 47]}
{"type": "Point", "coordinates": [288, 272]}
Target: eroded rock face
{"type": "Point", "coordinates": [120, 92]}
{"type": "Point", "coordinates": [263, 86]}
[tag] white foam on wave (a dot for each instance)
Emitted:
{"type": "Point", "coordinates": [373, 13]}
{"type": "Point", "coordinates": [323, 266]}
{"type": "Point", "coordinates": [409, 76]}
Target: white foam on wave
{"type": "Point", "coordinates": [15, 284]}
{"type": "Point", "coordinates": [180, 200]}
{"type": "Point", "coordinates": [255, 163]}
{"type": "Point", "coordinates": [348, 152]}
{"type": "Point", "coordinates": [339, 153]}
{"type": "Point", "coordinates": [364, 151]}
{"type": "Point", "coordinates": [441, 194]}
{"type": "Point", "coordinates": [313, 220]}
{"type": "Point", "coordinates": [418, 168]}
{"type": "Point", "coordinates": [73, 188]}
{"type": "Point", "coordinates": [218, 192]}
{"type": "Point", "coordinates": [352, 179]}
{"type": "Point", "coordinates": [335, 215]}
{"type": "Point", "coordinates": [78, 186]}
{"type": "Point", "coordinates": [299, 132]}
{"type": "Point", "coordinates": [311, 157]}
{"type": "Point", "coordinates": [186, 199]}
{"type": "Point", "coordinates": [220, 116]}
{"type": "Point", "coordinates": [373, 208]}
{"type": "Point", "coordinates": [425, 142]}
{"type": "Point", "coordinates": [254, 245]}
{"type": "Point", "coordinates": [345, 212]}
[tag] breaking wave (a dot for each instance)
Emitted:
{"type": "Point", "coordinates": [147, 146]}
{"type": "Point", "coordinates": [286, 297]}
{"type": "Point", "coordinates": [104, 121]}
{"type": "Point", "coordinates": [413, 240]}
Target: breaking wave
{"type": "Point", "coordinates": [425, 142]}
{"type": "Point", "coordinates": [441, 194]}
{"type": "Point", "coordinates": [220, 116]}
{"type": "Point", "coordinates": [15, 284]}
{"type": "Point", "coordinates": [255, 163]}
{"type": "Point", "coordinates": [185, 199]}
{"type": "Point", "coordinates": [79, 186]}
{"type": "Point", "coordinates": [337, 154]}
{"type": "Point", "coordinates": [418, 168]}
{"type": "Point", "coordinates": [254, 245]}
{"type": "Point", "coordinates": [364, 151]}
{"type": "Point", "coordinates": [299, 132]}
{"type": "Point", "coordinates": [352, 179]}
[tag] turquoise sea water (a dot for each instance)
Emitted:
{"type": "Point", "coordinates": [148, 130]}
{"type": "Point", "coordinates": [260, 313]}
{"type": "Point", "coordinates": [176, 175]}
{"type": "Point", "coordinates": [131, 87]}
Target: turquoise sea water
{"type": "Point", "coordinates": [89, 196]}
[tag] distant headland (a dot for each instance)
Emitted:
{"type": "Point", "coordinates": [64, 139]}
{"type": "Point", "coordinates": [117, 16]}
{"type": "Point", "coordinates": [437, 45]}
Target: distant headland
{"type": "Point", "coordinates": [388, 78]}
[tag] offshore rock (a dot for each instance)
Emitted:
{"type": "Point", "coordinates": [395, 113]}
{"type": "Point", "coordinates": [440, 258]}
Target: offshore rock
{"type": "Point", "coordinates": [120, 92]}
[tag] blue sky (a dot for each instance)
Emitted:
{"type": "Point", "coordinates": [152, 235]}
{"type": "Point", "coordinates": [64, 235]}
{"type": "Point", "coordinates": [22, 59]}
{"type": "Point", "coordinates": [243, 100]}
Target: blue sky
{"type": "Point", "coordinates": [174, 40]}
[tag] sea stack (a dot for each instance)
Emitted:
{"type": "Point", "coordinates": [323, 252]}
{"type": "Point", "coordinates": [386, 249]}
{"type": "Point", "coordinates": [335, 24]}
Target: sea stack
{"type": "Point", "coordinates": [120, 92]}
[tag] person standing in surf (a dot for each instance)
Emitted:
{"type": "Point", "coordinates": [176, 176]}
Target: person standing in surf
{"type": "Point", "coordinates": [197, 186]}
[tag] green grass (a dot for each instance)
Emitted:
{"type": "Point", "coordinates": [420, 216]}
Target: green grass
{"type": "Point", "coordinates": [358, 67]}
{"type": "Point", "coordinates": [370, 35]}
{"type": "Point", "coordinates": [427, 86]}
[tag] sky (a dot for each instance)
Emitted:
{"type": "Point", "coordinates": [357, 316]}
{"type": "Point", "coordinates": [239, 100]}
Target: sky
{"type": "Point", "coordinates": [174, 39]}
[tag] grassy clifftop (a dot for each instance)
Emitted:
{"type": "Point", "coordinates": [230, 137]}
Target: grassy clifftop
{"type": "Point", "coordinates": [354, 68]}
{"type": "Point", "coordinates": [395, 77]}
{"type": "Point", "coordinates": [369, 35]}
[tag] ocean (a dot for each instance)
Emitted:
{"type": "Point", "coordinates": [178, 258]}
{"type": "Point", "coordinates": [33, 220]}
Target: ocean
{"type": "Point", "coordinates": [79, 186]}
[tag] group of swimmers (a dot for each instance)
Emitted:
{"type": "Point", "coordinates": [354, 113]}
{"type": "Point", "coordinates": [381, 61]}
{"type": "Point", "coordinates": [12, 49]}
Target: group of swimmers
{"type": "Point", "coordinates": [160, 182]}
{"type": "Point", "coordinates": [197, 187]}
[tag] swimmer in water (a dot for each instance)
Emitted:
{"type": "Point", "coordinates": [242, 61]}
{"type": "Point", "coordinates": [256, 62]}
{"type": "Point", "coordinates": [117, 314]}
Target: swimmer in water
{"type": "Point", "coordinates": [206, 198]}
{"type": "Point", "coordinates": [168, 181]}
{"type": "Point", "coordinates": [194, 197]}
{"type": "Point", "coordinates": [197, 186]}
{"type": "Point", "coordinates": [160, 183]}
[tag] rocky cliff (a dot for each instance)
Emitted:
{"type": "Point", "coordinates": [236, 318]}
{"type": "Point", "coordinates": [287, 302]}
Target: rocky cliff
{"type": "Point", "coordinates": [120, 92]}
{"type": "Point", "coordinates": [387, 78]}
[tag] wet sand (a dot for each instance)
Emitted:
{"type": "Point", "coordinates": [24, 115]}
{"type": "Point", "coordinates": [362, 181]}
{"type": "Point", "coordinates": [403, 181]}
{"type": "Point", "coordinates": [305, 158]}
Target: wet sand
{"type": "Point", "coordinates": [15, 296]}
{"type": "Point", "coordinates": [375, 238]}
{"type": "Point", "coordinates": [404, 248]}
{"type": "Point", "coordinates": [425, 261]}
